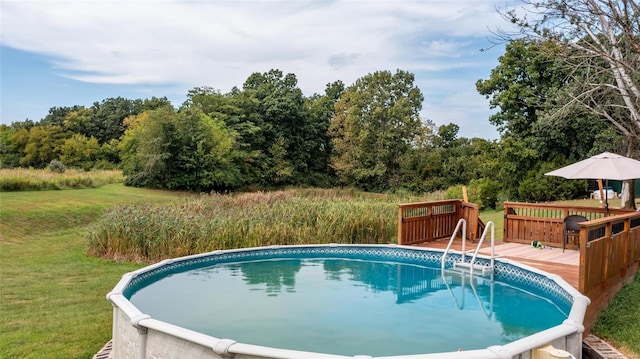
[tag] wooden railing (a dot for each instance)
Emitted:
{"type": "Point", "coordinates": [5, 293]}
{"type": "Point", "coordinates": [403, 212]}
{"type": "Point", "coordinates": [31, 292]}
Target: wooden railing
{"type": "Point", "coordinates": [609, 258]}
{"type": "Point", "coordinates": [428, 221]}
{"type": "Point", "coordinates": [527, 222]}
{"type": "Point", "coordinates": [608, 248]}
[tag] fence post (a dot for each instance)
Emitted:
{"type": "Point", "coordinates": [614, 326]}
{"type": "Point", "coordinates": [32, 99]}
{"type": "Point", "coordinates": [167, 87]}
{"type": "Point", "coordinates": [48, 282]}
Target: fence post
{"type": "Point", "coordinates": [582, 275]}
{"type": "Point", "coordinates": [400, 224]}
{"type": "Point", "coordinates": [505, 223]}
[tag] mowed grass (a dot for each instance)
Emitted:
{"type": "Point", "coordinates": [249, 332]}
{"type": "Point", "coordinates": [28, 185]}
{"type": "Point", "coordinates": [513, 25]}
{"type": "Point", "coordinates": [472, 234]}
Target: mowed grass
{"type": "Point", "coordinates": [619, 323]}
{"type": "Point", "coordinates": [496, 216]}
{"type": "Point", "coordinates": [52, 295]}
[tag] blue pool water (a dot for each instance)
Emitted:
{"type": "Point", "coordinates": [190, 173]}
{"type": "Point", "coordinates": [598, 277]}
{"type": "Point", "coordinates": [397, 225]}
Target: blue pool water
{"type": "Point", "coordinates": [347, 306]}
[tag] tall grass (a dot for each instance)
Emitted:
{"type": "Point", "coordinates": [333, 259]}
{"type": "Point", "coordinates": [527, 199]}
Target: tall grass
{"type": "Point", "coordinates": [150, 232]}
{"type": "Point", "coordinates": [20, 179]}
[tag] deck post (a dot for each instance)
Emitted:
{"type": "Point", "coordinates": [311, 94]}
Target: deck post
{"type": "Point", "coordinates": [400, 218]}
{"type": "Point", "coordinates": [582, 275]}
{"type": "Point", "coordinates": [625, 237]}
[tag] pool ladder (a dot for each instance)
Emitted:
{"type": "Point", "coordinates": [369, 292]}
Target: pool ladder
{"type": "Point", "coordinates": [462, 264]}
{"type": "Point", "coordinates": [488, 311]}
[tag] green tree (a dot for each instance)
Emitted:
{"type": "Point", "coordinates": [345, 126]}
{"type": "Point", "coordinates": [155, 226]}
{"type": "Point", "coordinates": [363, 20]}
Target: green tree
{"type": "Point", "coordinates": [80, 121]}
{"type": "Point", "coordinates": [448, 134]}
{"type": "Point", "coordinates": [9, 152]}
{"type": "Point", "coordinates": [108, 116]}
{"type": "Point", "coordinates": [42, 144]}
{"type": "Point", "coordinates": [184, 150]}
{"type": "Point", "coordinates": [204, 160]}
{"type": "Point", "coordinates": [600, 46]}
{"type": "Point", "coordinates": [520, 85]}
{"type": "Point", "coordinates": [375, 122]}
{"type": "Point", "coordinates": [237, 110]}
{"type": "Point", "coordinates": [155, 103]}
{"type": "Point", "coordinates": [526, 86]}
{"type": "Point", "coordinates": [57, 115]}
{"type": "Point", "coordinates": [516, 159]}
{"type": "Point", "coordinates": [440, 159]}
{"type": "Point", "coordinates": [321, 109]}
{"type": "Point", "coordinates": [109, 155]}
{"type": "Point", "coordinates": [80, 151]}
{"type": "Point", "coordinates": [273, 103]}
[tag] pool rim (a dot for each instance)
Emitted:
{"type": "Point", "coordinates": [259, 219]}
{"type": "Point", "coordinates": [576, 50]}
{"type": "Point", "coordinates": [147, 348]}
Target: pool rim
{"type": "Point", "coordinates": [566, 336]}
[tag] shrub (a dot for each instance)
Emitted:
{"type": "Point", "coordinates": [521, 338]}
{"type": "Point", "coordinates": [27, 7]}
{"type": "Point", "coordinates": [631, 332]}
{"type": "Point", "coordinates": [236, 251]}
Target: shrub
{"type": "Point", "coordinates": [485, 192]}
{"type": "Point", "coordinates": [536, 187]}
{"type": "Point", "coordinates": [454, 192]}
{"type": "Point", "coordinates": [56, 166]}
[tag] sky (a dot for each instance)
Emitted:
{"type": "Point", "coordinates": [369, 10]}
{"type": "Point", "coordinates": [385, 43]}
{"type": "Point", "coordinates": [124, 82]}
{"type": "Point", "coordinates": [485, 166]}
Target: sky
{"type": "Point", "coordinates": [56, 53]}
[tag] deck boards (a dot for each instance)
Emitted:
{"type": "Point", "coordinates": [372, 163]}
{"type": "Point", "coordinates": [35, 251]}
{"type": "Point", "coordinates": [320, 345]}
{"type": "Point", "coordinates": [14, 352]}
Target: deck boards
{"type": "Point", "coordinates": [551, 260]}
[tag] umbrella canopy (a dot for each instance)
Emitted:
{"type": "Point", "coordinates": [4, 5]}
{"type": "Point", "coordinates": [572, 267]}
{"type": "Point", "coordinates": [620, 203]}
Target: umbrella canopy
{"type": "Point", "coordinates": [603, 166]}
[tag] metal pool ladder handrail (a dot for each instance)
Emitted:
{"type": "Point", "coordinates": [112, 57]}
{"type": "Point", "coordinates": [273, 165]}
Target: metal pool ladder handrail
{"type": "Point", "coordinates": [463, 277]}
{"type": "Point", "coordinates": [472, 264]}
{"type": "Point", "coordinates": [462, 223]}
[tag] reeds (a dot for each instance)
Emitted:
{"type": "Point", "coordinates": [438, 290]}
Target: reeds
{"type": "Point", "coordinates": [20, 179]}
{"type": "Point", "coordinates": [148, 233]}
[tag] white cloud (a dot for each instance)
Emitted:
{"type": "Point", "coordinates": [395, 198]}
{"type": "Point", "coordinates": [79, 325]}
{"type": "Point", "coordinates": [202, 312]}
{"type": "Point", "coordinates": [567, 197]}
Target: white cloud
{"type": "Point", "coordinates": [219, 43]}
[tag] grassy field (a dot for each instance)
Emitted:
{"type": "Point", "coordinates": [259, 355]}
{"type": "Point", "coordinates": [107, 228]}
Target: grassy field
{"type": "Point", "coordinates": [21, 179]}
{"type": "Point", "coordinates": [52, 295]}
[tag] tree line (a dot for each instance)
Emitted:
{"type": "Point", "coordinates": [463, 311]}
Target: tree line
{"type": "Point", "coordinates": [560, 97]}
{"type": "Point", "coordinates": [268, 134]}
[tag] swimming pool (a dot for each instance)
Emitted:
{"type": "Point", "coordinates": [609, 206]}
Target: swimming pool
{"type": "Point", "coordinates": [377, 297]}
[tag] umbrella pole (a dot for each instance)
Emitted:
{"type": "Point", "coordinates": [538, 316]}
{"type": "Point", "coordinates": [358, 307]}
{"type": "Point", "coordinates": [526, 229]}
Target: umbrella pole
{"type": "Point", "coordinates": [600, 190]}
{"type": "Point", "coordinates": [606, 198]}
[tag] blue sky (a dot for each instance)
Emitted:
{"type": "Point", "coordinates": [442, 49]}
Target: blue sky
{"type": "Point", "coordinates": [65, 53]}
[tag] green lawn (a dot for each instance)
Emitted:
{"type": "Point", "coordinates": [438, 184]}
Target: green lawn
{"type": "Point", "coordinates": [619, 323]}
{"type": "Point", "coordinates": [496, 216]}
{"type": "Point", "coordinates": [52, 296]}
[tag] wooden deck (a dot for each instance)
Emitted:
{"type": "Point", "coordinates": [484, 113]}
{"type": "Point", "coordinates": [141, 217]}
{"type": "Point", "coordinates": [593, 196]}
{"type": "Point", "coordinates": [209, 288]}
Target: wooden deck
{"type": "Point", "coordinates": [548, 259]}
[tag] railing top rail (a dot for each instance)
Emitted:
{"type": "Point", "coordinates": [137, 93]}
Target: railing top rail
{"type": "Point", "coordinates": [565, 207]}
{"type": "Point", "coordinates": [430, 203]}
{"type": "Point", "coordinates": [611, 219]}
{"type": "Point", "coordinates": [471, 205]}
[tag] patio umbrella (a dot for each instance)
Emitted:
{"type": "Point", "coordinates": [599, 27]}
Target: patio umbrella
{"type": "Point", "coordinates": [603, 166]}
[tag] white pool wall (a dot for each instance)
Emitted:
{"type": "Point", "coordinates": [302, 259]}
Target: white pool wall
{"type": "Point", "coordinates": [138, 336]}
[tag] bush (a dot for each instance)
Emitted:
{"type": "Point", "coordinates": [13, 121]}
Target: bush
{"type": "Point", "coordinates": [483, 192]}
{"type": "Point", "coordinates": [56, 166]}
{"type": "Point", "coordinates": [536, 187]}
{"type": "Point", "coordinates": [454, 192]}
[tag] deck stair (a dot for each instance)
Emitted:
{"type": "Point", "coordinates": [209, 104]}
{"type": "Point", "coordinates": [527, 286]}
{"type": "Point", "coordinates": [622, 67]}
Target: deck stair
{"type": "Point", "coordinates": [471, 266]}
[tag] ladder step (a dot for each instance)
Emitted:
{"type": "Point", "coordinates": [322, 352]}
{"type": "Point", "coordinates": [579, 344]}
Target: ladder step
{"type": "Point", "coordinates": [478, 267]}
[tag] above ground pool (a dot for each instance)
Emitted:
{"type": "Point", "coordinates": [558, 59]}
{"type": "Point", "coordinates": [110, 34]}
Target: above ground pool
{"type": "Point", "coordinates": [340, 301]}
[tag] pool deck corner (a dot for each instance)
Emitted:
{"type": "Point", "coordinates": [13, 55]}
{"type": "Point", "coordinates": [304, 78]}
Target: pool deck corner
{"type": "Point", "coordinates": [552, 260]}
